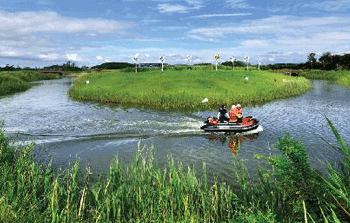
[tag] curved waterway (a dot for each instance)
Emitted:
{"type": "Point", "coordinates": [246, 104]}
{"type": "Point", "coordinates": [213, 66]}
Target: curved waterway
{"type": "Point", "coordinates": [64, 129]}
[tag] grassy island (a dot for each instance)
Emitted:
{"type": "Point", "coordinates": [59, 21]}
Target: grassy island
{"type": "Point", "coordinates": [186, 89]}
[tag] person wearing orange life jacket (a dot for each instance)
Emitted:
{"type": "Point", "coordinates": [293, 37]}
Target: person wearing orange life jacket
{"type": "Point", "coordinates": [236, 113]}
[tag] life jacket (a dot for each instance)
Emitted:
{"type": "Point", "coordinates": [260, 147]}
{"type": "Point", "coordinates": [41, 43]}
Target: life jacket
{"type": "Point", "coordinates": [235, 113]}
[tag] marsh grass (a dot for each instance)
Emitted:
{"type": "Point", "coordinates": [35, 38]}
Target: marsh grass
{"type": "Point", "coordinates": [344, 80]}
{"type": "Point", "coordinates": [17, 81]}
{"type": "Point", "coordinates": [341, 77]}
{"type": "Point", "coordinates": [185, 89]}
{"type": "Point", "coordinates": [286, 189]}
{"type": "Point", "coordinates": [332, 75]}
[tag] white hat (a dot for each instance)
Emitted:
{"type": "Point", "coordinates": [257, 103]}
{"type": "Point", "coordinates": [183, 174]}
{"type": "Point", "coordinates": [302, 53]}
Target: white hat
{"type": "Point", "coordinates": [238, 105]}
{"type": "Point", "coordinates": [233, 106]}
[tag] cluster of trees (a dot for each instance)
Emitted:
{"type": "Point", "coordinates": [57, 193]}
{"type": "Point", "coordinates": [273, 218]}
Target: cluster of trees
{"type": "Point", "coordinates": [69, 66]}
{"type": "Point", "coordinates": [113, 65]}
{"type": "Point", "coordinates": [10, 68]}
{"type": "Point", "coordinates": [237, 63]}
{"type": "Point", "coordinates": [327, 61]}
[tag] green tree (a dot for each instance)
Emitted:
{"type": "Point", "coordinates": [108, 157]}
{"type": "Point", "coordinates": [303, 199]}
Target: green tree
{"type": "Point", "coordinates": [326, 60]}
{"type": "Point", "coordinates": [311, 59]}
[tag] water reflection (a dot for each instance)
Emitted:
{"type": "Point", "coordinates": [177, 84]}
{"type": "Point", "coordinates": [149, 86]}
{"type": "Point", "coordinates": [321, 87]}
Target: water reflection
{"type": "Point", "coordinates": [234, 141]}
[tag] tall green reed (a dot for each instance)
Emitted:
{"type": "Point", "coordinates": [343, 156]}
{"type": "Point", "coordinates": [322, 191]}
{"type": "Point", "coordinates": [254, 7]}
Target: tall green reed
{"type": "Point", "coordinates": [17, 81]}
{"type": "Point", "coordinates": [286, 189]}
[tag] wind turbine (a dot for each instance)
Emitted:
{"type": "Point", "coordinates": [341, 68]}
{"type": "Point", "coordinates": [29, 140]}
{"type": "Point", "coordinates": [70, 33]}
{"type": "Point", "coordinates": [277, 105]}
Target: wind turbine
{"type": "Point", "coordinates": [217, 57]}
{"type": "Point", "coordinates": [259, 62]}
{"type": "Point", "coordinates": [162, 58]}
{"type": "Point", "coordinates": [233, 59]}
{"type": "Point", "coordinates": [246, 59]}
{"type": "Point", "coordinates": [189, 58]}
{"type": "Point", "coordinates": [136, 59]}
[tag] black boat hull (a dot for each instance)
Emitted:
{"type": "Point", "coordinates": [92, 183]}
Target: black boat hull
{"type": "Point", "coordinates": [230, 127]}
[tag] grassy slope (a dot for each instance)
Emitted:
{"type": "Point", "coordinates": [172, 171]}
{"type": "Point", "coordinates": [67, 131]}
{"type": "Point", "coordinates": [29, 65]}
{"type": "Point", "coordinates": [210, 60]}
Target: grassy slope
{"type": "Point", "coordinates": [186, 89]}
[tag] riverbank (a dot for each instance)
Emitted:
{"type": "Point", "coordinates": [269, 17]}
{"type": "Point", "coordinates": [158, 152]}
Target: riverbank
{"type": "Point", "coordinates": [186, 89]}
{"type": "Point", "coordinates": [341, 77]}
{"type": "Point", "coordinates": [18, 81]}
{"type": "Point", "coordinates": [287, 189]}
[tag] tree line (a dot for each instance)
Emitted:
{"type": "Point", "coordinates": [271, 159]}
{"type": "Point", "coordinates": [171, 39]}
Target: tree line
{"type": "Point", "coordinates": [326, 61]}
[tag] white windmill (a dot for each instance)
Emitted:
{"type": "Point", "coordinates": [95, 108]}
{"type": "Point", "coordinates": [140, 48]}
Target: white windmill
{"type": "Point", "coordinates": [233, 59]}
{"type": "Point", "coordinates": [136, 59]}
{"type": "Point", "coordinates": [259, 62]}
{"type": "Point", "coordinates": [217, 57]}
{"type": "Point", "coordinates": [189, 59]}
{"type": "Point", "coordinates": [246, 59]}
{"type": "Point", "coordinates": [162, 58]}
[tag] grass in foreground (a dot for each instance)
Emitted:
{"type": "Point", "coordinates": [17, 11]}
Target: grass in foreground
{"type": "Point", "coordinates": [286, 190]}
{"type": "Point", "coordinates": [185, 89]}
{"type": "Point", "coordinates": [17, 81]}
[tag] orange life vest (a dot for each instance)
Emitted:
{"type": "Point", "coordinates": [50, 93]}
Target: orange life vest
{"type": "Point", "coordinates": [234, 113]}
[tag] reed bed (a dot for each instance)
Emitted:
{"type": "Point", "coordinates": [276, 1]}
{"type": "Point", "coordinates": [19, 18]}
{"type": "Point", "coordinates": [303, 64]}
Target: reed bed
{"type": "Point", "coordinates": [332, 75]}
{"type": "Point", "coordinates": [287, 189]}
{"type": "Point", "coordinates": [344, 80]}
{"type": "Point", "coordinates": [186, 89]}
{"type": "Point", "coordinates": [17, 81]}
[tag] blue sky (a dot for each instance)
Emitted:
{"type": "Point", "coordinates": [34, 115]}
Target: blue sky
{"type": "Point", "coordinates": [47, 32]}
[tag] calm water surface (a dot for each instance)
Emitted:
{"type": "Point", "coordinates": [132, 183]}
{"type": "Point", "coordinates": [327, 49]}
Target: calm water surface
{"type": "Point", "coordinates": [64, 129]}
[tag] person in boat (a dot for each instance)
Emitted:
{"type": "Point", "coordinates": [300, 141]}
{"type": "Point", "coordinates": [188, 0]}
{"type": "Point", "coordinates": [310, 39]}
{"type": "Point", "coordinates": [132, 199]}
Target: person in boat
{"type": "Point", "coordinates": [223, 115]}
{"type": "Point", "coordinates": [236, 113]}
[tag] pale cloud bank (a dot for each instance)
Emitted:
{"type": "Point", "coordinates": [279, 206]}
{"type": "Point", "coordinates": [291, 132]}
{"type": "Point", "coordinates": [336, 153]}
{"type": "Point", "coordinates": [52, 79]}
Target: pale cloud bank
{"type": "Point", "coordinates": [19, 23]}
{"type": "Point", "coordinates": [166, 8]}
{"type": "Point", "coordinates": [220, 15]}
{"type": "Point", "coordinates": [238, 4]}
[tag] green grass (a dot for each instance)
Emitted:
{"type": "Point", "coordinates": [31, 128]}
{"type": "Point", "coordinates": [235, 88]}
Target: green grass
{"type": "Point", "coordinates": [286, 189]}
{"type": "Point", "coordinates": [185, 89]}
{"type": "Point", "coordinates": [17, 81]}
{"type": "Point", "coordinates": [341, 77]}
{"type": "Point", "coordinates": [332, 75]}
{"type": "Point", "coordinates": [344, 80]}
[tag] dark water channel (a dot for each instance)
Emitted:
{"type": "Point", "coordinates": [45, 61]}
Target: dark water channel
{"type": "Point", "coordinates": [64, 129]}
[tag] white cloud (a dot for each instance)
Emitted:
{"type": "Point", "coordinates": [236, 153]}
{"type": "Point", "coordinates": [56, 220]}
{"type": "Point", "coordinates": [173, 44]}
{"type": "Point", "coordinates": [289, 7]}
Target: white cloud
{"type": "Point", "coordinates": [254, 43]}
{"type": "Point", "coordinates": [99, 58]}
{"type": "Point", "coordinates": [238, 4]}
{"type": "Point", "coordinates": [166, 8]}
{"type": "Point", "coordinates": [275, 26]}
{"type": "Point", "coordinates": [10, 53]}
{"type": "Point", "coordinates": [220, 15]}
{"type": "Point", "coordinates": [49, 56]}
{"type": "Point", "coordinates": [197, 37]}
{"type": "Point", "coordinates": [333, 36]}
{"type": "Point", "coordinates": [72, 57]}
{"type": "Point", "coordinates": [19, 23]}
{"type": "Point", "coordinates": [338, 5]}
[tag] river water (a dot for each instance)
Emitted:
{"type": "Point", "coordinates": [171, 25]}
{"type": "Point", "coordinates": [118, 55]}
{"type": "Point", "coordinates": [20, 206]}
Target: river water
{"type": "Point", "coordinates": [64, 129]}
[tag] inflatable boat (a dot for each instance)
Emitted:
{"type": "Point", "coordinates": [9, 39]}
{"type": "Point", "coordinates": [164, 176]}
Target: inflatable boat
{"type": "Point", "coordinates": [247, 124]}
